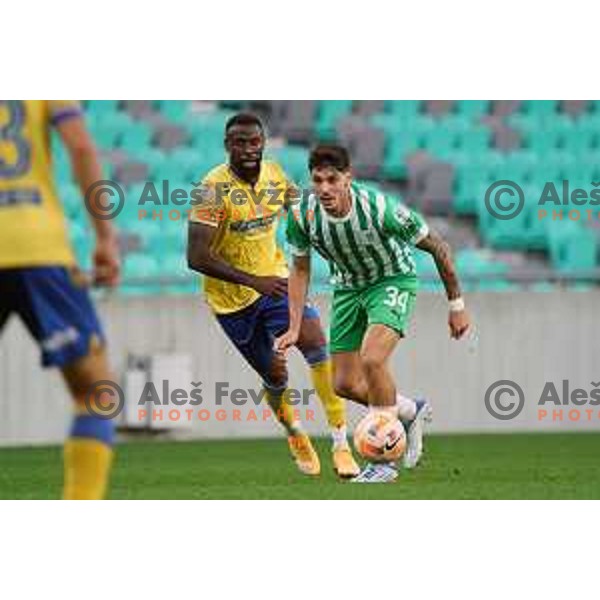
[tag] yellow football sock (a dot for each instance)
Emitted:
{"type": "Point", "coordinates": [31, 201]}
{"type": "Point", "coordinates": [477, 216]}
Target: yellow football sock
{"type": "Point", "coordinates": [334, 406]}
{"type": "Point", "coordinates": [87, 465]}
{"type": "Point", "coordinates": [88, 457]}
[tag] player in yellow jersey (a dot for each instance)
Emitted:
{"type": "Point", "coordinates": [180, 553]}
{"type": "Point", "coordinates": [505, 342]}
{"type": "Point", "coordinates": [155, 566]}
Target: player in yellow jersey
{"type": "Point", "coordinates": [39, 279]}
{"type": "Point", "coordinates": [232, 241]}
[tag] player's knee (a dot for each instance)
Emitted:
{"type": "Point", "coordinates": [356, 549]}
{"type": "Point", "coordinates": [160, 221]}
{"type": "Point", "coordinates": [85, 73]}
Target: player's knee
{"type": "Point", "coordinates": [277, 376]}
{"type": "Point", "coordinates": [82, 374]}
{"type": "Point", "coordinates": [371, 361]}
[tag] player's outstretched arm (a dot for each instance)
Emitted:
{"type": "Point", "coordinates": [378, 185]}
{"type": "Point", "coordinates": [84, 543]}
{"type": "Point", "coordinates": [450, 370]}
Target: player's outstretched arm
{"type": "Point", "coordinates": [297, 291]}
{"type": "Point", "coordinates": [202, 258]}
{"type": "Point", "coordinates": [458, 319]}
{"type": "Point", "coordinates": [86, 168]}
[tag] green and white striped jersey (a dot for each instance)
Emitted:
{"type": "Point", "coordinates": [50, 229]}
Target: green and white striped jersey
{"type": "Point", "coordinates": [372, 242]}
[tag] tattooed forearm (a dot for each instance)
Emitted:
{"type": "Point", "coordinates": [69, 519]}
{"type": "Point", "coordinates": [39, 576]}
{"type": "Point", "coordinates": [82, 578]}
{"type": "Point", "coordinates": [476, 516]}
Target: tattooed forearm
{"type": "Point", "coordinates": [442, 255]}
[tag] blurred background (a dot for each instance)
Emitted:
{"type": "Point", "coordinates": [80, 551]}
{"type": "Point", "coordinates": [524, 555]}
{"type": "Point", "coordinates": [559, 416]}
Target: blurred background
{"type": "Point", "coordinates": [440, 155]}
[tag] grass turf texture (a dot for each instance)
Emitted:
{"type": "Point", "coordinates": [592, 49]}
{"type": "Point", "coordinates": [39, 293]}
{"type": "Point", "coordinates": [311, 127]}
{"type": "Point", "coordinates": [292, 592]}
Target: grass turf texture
{"type": "Point", "coordinates": [459, 466]}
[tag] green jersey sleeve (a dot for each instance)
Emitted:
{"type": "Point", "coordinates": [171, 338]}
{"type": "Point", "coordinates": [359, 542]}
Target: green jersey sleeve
{"type": "Point", "coordinates": [297, 237]}
{"type": "Point", "coordinates": [403, 222]}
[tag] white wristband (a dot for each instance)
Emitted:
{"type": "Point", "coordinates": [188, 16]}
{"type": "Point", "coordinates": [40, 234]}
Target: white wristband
{"type": "Point", "coordinates": [456, 305]}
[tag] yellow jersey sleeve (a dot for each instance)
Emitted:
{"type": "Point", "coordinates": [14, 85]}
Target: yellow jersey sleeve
{"type": "Point", "coordinates": [210, 205]}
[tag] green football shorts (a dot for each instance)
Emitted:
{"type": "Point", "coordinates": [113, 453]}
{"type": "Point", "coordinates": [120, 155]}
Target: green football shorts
{"type": "Point", "coordinates": [389, 302]}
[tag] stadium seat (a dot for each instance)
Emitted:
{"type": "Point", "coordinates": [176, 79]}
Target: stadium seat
{"type": "Point", "coordinates": [366, 108]}
{"type": "Point", "coordinates": [572, 246]}
{"type": "Point", "coordinates": [328, 114]}
{"type": "Point", "coordinates": [541, 108]}
{"type": "Point", "coordinates": [294, 161]}
{"type": "Point", "coordinates": [574, 108]}
{"type": "Point", "coordinates": [72, 200]}
{"type": "Point", "coordinates": [405, 110]}
{"type": "Point", "coordinates": [175, 110]}
{"type": "Point", "coordinates": [473, 109]}
{"type": "Point", "coordinates": [153, 157]}
{"type": "Point", "coordinates": [503, 108]}
{"type": "Point", "coordinates": [439, 142]}
{"type": "Point", "coordinates": [136, 136]}
{"type": "Point", "coordinates": [296, 120]}
{"type": "Point", "coordinates": [474, 141]}
{"type": "Point", "coordinates": [468, 184]}
{"type": "Point", "coordinates": [98, 108]}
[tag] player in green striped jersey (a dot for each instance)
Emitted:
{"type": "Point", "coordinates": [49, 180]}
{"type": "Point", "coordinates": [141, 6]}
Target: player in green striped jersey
{"type": "Point", "coordinates": [367, 237]}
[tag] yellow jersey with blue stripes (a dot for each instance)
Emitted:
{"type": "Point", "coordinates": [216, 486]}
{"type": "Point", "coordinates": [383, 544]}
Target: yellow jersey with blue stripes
{"type": "Point", "coordinates": [33, 228]}
{"type": "Point", "coordinates": [246, 219]}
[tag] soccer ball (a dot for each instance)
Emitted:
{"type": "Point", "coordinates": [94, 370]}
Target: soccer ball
{"type": "Point", "coordinates": [380, 437]}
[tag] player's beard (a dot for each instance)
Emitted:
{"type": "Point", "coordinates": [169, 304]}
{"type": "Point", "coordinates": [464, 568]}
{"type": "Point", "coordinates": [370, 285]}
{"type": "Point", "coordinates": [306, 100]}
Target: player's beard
{"type": "Point", "coordinates": [249, 169]}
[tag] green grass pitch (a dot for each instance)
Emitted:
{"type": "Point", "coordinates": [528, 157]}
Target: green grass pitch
{"type": "Point", "coordinates": [456, 466]}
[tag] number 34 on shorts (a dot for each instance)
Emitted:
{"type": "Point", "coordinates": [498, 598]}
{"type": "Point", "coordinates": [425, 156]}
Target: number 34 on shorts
{"type": "Point", "coordinates": [397, 297]}
{"type": "Point", "coordinates": [386, 303]}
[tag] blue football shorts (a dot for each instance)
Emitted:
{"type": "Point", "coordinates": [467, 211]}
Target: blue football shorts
{"type": "Point", "coordinates": [55, 305]}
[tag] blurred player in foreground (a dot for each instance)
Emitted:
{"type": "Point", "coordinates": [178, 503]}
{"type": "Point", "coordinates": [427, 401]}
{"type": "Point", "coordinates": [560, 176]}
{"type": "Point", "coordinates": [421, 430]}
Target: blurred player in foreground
{"type": "Point", "coordinates": [39, 279]}
{"type": "Point", "coordinates": [367, 237]}
{"type": "Point", "coordinates": [232, 240]}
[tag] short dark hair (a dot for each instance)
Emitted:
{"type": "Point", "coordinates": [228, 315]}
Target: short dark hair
{"type": "Point", "coordinates": [329, 155]}
{"type": "Point", "coordinates": [243, 119]}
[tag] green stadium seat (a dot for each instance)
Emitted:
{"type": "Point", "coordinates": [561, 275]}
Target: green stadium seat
{"type": "Point", "coordinates": [153, 157]}
{"type": "Point", "coordinates": [572, 246]}
{"type": "Point", "coordinates": [398, 147]}
{"type": "Point", "coordinates": [139, 265]}
{"type": "Point", "coordinates": [108, 129]}
{"type": "Point", "coordinates": [474, 141]}
{"type": "Point", "coordinates": [503, 234]}
{"type": "Point", "coordinates": [439, 142]}
{"type": "Point", "coordinates": [294, 161]}
{"type": "Point", "coordinates": [175, 110]}
{"type": "Point", "coordinates": [389, 124]}
{"type": "Point", "coordinates": [541, 141]}
{"type": "Point", "coordinates": [516, 166]}
{"type": "Point", "coordinates": [328, 115]}
{"type": "Point", "coordinates": [403, 109]}
{"type": "Point", "coordinates": [536, 232]}
{"type": "Point", "coordinates": [98, 108]}
{"type": "Point", "coordinates": [72, 200]}
{"type": "Point", "coordinates": [473, 109]}
{"type": "Point", "coordinates": [579, 139]}
{"type": "Point", "coordinates": [542, 108]}
{"type": "Point", "coordinates": [455, 123]}
{"type": "Point", "coordinates": [208, 125]}
{"type": "Point", "coordinates": [136, 137]}
{"type": "Point", "coordinates": [469, 182]}
{"type": "Point", "coordinates": [62, 169]}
